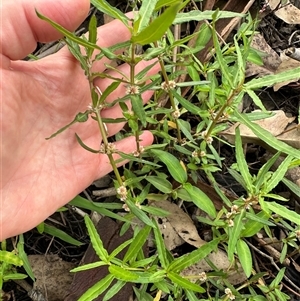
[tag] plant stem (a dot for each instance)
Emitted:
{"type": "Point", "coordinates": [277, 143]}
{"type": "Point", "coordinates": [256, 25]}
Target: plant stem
{"type": "Point", "coordinates": [132, 83]}
{"type": "Point", "coordinates": [166, 79]}
{"type": "Point", "coordinates": [105, 142]}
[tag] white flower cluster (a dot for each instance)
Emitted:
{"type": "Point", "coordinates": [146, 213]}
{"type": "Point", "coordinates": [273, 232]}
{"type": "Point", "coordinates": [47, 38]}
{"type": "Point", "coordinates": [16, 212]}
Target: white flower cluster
{"type": "Point", "coordinates": [229, 293]}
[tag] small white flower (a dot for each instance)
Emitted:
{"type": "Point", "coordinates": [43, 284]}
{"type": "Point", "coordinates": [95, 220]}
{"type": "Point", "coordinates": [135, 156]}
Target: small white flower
{"type": "Point", "coordinates": [176, 114]}
{"type": "Point", "coordinates": [297, 232]}
{"type": "Point", "coordinates": [137, 153]}
{"type": "Point", "coordinates": [172, 84]}
{"type": "Point", "coordinates": [195, 154]}
{"type": "Point", "coordinates": [132, 90]}
{"type": "Point", "coordinates": [228, 215]}
{"type": "Point", "coordinates": [111, 148]}
{"type": "Point", "coordinates": [126, 208]}
{"type": "Point", "coordinates": [202, 154]}
{"type": "Point", "coordinates": [168, 86]}
{"type": "Point", "coordinates": [203, 134]}
{"type": "Point", "coordinates": [230, 223]}
{"type": "Point", "coordinates": [234, 208]}
{"type": "Point", "coordinates": [209, 140]}
{"type": "Point", "coordinates": [202, 276]}
{"type": "Point", "coordinates": [122, 192]}
{"type": "Point", "coordinates": [229, 293]}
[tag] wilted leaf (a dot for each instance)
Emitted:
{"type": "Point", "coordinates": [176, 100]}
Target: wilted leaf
{"type": "Point", "coordinates": [181, 223]}
{"type": "Point", "coordinates": [289, 13]}
{"type": "Point", "coordinates": [275, 125]}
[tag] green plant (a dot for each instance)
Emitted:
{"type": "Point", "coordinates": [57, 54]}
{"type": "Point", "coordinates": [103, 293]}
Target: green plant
{"type": "Point", "coordinates": [9, 261]}
{"type": "Point", "coordinates": [169, 168]}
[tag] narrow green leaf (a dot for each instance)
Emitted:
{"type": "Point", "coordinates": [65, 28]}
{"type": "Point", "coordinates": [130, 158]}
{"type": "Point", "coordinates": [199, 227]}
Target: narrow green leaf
{"type": "Point", "coordinates": [235, 233]}
{"type": "Point", "coordinates": [256, 99]}
{"type": "Point", "coordinates": [88, 266]}
{"type": "Point", "coordinates": [253, 226]}
{"type": "Point", "coordinates": [145, 14]}
{"type": "Point", "coordinates": [160, 246]}
{"type": "Point", "coordinates": [157, 276]}
{"type": "Point", "coordinates": [68, 34]}
{"type": "Point", "coordinates": [186, 104]}
{"type": "Point", "coordinates": [81, 202]}
{"type": "Point", "coordinates": [97, 289]}
{"type": "Point", "coordinates": [161, 184]}
{"type": "Point", "coordinates": [80, 117]}
{"type": "Point", "coordinates": [115, 13]}
{"type": "Point", "coordinates": [74, 48]}
{"type": "Point", "coordinates": [241, 160]}
{"type": "Point", "coordinates": [23, 256]}
{"type": "Point", "coordinates": [292, 186]}
{"type": "Point", "coordinates": [245, 256]}
{"type": "Point", "coordinates": [270, 80]}
{"type": "Point", "coordinates": [283, 253]}
{"type": "Point", "coordinates": [82, 144]}
{"type": "Point", "coordinates": [200, 199]}
{"type": "Point", "coordinates": [158, 27]}
{"type": "Point", "coordinates": [187, 260]}
{"type": "Point", "coordinates": [137, 244]}
{"type": "Point", "coordinates": [96, 240]}
{"type": "Point", "coordinates": [162, 3]}
{"type": "Point", "coordinates": [10, 258]}
{"type": "Point", "coordinates": [240, 64]}
{"type": "Point", "coordinates": [174, 167]}
{"type": "Point", "coordinates": [112, 87]}
{"type": "Point", "coordinates": [226, 73]}
{"type": "Point", "coordinates": [122, 274]}
{"type": "Point", "coordinates": [265, 136]}
{"type": "Point", "coordinates": [284, 212]}
{"type": "Point", "coordinates": [260, 178]}
{"type": "Point", "coordinates": [184, 283]}
{"type": "Point", "coordinates": [191, 295]}
{"type": "Point", "coordinates": [197, 15]}
{"type": "Point", "coordinates": [92, 34]}
{"type": "Point", "coordinates": [120, 248]}
{"type": "Point", "coordinates": [138, 107]}
{"type": "Point", "coordinates": [185, 127]}
{"type": "Point", "coordinates": [153, 210]}
{"type": "Point", "coordinates": [278, 278]}
{"type": "Point", "coordinates": [278, 174]}
{"type": "Point", "coordinates": [61, 235]}
{"type": "Point", "coordinates": [14, 276]}
{"type": "Point", "coordinates": [114, 290]}
{"type": "Point", "coordinates": [93, 29]}
{"type": "Point", "coordinates": [140, 214]}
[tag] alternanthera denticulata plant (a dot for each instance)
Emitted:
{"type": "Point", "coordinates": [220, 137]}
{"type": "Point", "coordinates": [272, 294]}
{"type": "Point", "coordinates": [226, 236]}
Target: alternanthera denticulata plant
{"type": "Point", "coordinates": [182, 149]}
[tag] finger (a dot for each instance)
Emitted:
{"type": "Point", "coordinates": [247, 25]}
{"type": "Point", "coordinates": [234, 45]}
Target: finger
{"type": "Point", "coordinates": [21, 28]}
{"type": "Point", "coordinates": [116, 111]}
{"type": "Point", "coordinates": [128, 146]}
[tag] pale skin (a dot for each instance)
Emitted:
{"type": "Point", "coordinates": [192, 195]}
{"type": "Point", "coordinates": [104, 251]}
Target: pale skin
{"type": "Point", "coordinates": [39, 176]}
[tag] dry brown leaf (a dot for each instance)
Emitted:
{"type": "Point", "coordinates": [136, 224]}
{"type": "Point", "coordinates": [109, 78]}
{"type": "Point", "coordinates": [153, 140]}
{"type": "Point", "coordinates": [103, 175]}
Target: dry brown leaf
{"type": "Point", "coordinates": [289, 13]}
{"type": "Point", "coordinates": [271, 60]}
{"type": "Point", "coordinates": [184, 226]}
{"type": "Point", "coordinates": [171, 237]}
{"type": "Point", "coordinates": [275, 125]}
{"type": "Point", "coordinates": [287, 63]}
{"type": "Point", "coordinates": [273, 4]}
{"type": "Point", "coordinates": [291, 136]}
{"type": "Point", "coordinates": [181, 223]}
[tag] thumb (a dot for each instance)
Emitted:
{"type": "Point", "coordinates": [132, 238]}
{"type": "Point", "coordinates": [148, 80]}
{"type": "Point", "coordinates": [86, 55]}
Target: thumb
{"type": "Point", "coordinates": [21, 29]}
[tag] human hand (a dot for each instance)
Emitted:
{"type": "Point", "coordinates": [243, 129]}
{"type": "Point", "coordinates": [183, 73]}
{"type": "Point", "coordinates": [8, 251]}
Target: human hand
{"type": "Point", "coordinates": [37, 98]}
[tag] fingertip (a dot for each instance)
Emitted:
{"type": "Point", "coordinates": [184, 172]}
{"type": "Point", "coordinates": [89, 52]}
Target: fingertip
{"type": "Point", "coordinates": [146, 138]}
